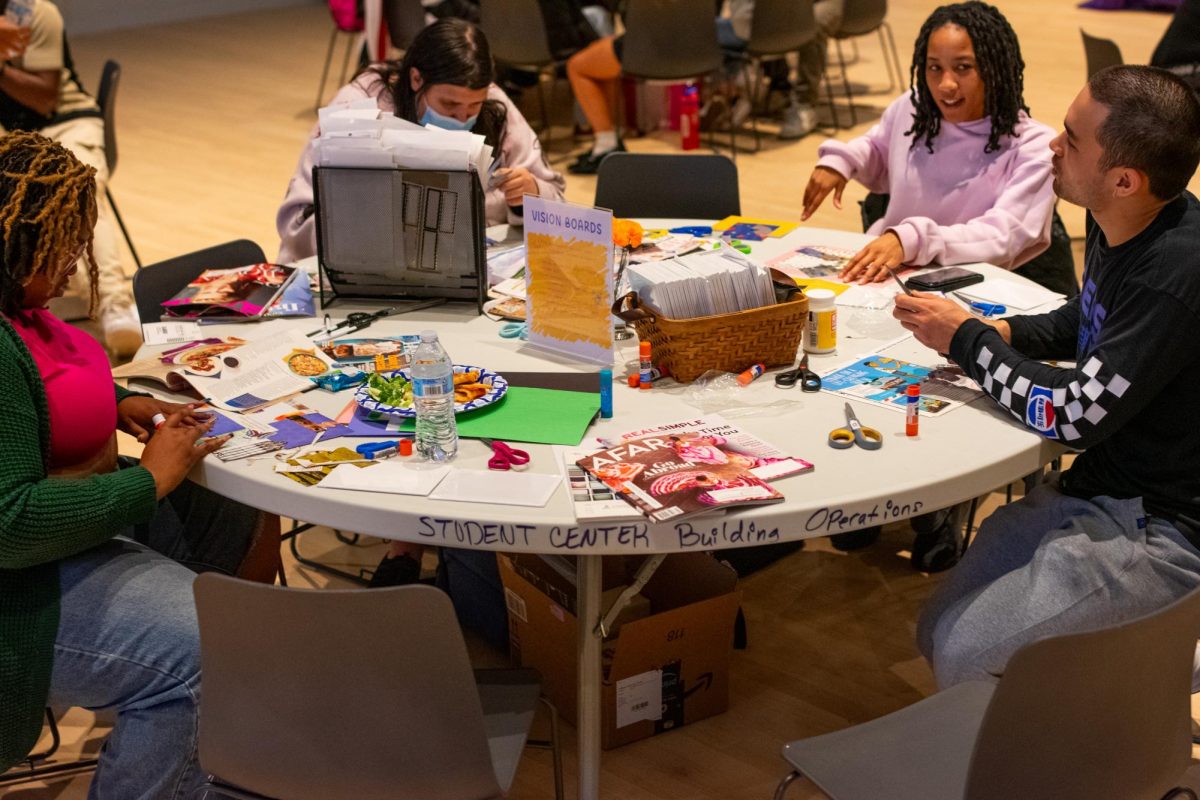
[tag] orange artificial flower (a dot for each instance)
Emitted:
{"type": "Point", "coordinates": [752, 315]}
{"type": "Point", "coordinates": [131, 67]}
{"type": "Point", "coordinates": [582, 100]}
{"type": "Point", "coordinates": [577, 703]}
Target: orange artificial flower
{"type": "Point", "coordinates": [627, 233]}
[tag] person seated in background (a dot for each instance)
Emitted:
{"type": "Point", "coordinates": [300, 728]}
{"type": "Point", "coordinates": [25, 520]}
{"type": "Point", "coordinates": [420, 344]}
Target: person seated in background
{"type": "Point", "coordinates": [967, 169]}
{"type": "Point", "coordinates": [88, 616]}
{"type": "Point", "coordinates": [800, 115]}
{"type": "Point", "coordinates": [968, 174]}
{"type": "Point", "coordinates": [1118, 534]}
{"type": "Point", "coordinates": [1179, 48]}
{"type": "Point", "coordinates": [39, 91]}
{"type": "Point", "coordinates": [446, 80]}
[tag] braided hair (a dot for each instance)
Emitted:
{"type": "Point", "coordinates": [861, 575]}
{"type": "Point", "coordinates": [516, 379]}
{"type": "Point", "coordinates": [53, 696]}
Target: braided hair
{"type": "Point", "coordinates": [47, 210]}
{"type": "Point", "coordinates": [997, 58]}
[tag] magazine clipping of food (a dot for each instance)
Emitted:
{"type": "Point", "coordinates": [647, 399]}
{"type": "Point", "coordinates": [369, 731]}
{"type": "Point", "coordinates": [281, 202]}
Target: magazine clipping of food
{"type": "Point", "coordinates": [713, 431]}
{"type": "Point", "coordinates": [261, 372]}
{"type": "Point", "coordinates": [672, 476]}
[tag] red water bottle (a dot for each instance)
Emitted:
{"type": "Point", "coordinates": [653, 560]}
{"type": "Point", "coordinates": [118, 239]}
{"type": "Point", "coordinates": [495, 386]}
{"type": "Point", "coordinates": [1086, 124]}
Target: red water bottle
{"type": "Point", "coordinates": [689, 118]}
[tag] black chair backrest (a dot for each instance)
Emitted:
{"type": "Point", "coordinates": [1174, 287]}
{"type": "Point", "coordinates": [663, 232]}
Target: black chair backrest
{"type": "Point", "coordinates": [1100, 53]}
{"type": "Point", "coordinates": [405, 19]}
{"type": "Point", "coordinates": [162, 281]}
{"type": "Point", "coordinates": [106, 98]}
{"type": "Point", "coordinates": [669, 39]}
{"type": "Point", "coordinates": [860, 17]}
{"type": "Point", "coordinates": [516, 32]}
{"type": "Point", "coordinates": [668, 186]}
{"type": "Point", "coordinates": [781, 26]}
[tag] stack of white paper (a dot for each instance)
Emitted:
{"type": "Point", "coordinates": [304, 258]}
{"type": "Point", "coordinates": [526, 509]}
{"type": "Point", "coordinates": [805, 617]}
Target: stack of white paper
{"type": "Point", "coordinates": [702, 284]}
{"type": "Point", "coordinates": [360, 135]}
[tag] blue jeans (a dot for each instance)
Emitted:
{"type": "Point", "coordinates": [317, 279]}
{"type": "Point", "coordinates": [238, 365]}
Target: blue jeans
{"type": "Point", "coordinates": [1050, 564]}
{"type": "Point", "coordinates": [128, 640]}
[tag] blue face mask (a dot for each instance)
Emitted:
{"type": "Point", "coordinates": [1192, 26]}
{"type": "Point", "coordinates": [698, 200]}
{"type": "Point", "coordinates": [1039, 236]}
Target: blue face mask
{"type": "Point", "coordinates": [431, 117]}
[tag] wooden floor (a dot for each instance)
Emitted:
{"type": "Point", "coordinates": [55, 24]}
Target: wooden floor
{"type": "Point", "coordinates": [212, 115]}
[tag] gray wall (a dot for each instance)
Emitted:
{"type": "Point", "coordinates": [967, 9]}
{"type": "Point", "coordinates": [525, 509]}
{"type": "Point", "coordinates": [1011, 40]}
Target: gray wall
{"type": "Point", "coordinates": [94, 16]}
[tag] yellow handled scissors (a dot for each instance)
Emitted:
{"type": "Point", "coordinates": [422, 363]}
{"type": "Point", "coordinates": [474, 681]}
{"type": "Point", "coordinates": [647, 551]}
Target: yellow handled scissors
{"type": "Point", "coordinates": [855, 434]}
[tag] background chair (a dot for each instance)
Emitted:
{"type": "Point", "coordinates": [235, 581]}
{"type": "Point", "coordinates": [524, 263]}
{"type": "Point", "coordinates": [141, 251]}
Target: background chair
{"type": "Point", "coordinates": [404, 19]}
{"type": "Point", "coordinates": [38, 763]}
{"type": "Point", "coordinates": [516, 33]}
{"type": "Point", "coordinates": [777, 28]}
{"type": "Point", "coordinates": [672, 186]}
{"type": "Point", "coordinates": [162, 281]}
{"type": "Point", "coordinates": [1076, 717]}
{"type": "Point", "coordinates": [106, 98]}
{"type": "Point", "coordinates": [280, 719]}
{"type": "Point", "coordinates": [859, 18]}
{"type": "Point", "coordinates": [671, 40]}
{"type": "Point", "coordinates": [1100, 53]}
{"type": "Point", "coordinates": [347, 18]}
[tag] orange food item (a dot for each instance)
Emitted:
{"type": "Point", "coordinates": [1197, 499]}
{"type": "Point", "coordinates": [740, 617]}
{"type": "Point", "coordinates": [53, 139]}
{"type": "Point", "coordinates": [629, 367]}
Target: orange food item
{"type": "Point", "coordinates": [627, 233]}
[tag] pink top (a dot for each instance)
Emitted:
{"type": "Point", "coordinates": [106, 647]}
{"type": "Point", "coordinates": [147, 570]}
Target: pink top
{"type": "Point", "coordinates": [79, 386]}
{"type": "Point", "coordinates": [958, 204]}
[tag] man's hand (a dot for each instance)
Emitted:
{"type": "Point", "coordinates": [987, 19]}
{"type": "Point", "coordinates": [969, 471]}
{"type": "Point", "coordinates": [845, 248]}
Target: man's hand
{"type": "Point", "coordinates": [135, 415]}
{"type": "Point", "coordinates": [823, 181]}
{"type": "Point", "coordinates": [932, 320]}
{"type": "Point", "coordinates": [13, 40]}
{"type": "Point", "coordinates": [516, 182]}
{"type": "Point", "coordinates": [868, 265]}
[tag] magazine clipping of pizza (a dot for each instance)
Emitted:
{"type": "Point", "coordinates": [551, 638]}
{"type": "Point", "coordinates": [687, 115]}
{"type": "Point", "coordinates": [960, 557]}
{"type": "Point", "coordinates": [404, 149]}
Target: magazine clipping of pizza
{"type": "Point", "coordinates": [305, 363]}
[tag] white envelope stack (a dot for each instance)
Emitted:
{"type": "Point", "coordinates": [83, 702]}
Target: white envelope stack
{"type": "Point", "coordinates": [720, 281]}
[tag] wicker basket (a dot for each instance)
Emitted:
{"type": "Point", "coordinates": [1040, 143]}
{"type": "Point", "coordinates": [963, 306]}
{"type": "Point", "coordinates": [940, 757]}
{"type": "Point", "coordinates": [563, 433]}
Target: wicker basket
{"type": "Point", "coordinates": [687, 348]}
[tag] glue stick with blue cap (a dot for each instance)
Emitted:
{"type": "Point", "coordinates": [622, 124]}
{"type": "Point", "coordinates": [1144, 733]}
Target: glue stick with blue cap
{"type": "Point", "coordinates": [606, 395]}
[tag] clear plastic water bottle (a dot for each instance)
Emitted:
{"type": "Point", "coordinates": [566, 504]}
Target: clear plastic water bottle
{"type": "Point", "coordinates": [433, 398]}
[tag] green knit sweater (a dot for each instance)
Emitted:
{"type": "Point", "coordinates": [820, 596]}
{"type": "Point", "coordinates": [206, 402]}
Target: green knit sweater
{"type": "Point", "coordinates": [43, 520]}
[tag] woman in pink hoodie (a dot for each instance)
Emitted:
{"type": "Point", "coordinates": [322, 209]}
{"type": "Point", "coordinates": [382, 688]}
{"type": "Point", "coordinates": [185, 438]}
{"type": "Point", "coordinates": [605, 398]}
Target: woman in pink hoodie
{"type": "Point", "coordinates": [967, 168]}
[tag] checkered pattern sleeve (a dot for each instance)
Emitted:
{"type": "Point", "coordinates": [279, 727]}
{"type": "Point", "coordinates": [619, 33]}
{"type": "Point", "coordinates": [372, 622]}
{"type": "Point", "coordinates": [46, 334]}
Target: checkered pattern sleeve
{"type": "Point", "coordinates": [1082, 405]}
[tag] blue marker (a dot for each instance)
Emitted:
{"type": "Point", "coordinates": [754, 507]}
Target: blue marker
{"type": "Point", "coordinates": [606, 397]}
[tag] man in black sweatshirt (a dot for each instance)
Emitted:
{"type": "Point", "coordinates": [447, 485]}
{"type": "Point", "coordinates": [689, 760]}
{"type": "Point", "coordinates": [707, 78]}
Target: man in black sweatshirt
{"type": "Point", "coordinates": [1117, 534]}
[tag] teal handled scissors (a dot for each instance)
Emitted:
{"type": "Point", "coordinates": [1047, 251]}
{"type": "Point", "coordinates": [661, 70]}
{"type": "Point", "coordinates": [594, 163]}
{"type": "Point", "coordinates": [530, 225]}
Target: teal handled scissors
{"type": "Point", "coordinates": [505, 457]}
{"type": "Point", "coordinates": [854, 434]}
{"type": "Point", "coordinates": [513, 330]}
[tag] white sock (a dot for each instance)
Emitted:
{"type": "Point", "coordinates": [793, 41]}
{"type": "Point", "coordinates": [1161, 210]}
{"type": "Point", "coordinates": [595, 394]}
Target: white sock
{"type": "Point", "coordinates": [605, 141]}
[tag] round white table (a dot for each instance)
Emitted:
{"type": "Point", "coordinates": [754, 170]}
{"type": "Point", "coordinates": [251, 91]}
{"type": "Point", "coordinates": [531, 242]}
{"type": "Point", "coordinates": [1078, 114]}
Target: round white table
{"type": "Point", "coordinates": [962, 454]}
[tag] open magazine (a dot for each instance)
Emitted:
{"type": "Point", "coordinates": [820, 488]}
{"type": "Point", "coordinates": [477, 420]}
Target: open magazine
{"type": "Point", "coordinates": [233, 374]}
{"type": "Point", "coordinates": [671, 477]}
{"type": "Point", "coordinates": [238, 292]}
{"type": "Point", "coordinates": [884, 380]}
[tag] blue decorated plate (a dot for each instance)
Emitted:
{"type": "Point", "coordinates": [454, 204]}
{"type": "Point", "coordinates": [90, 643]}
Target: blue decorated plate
{"type": "Point", "coordinates": [496, 383]}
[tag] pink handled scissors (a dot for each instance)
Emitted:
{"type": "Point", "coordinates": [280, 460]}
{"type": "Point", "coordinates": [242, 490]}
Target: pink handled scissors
{"type": "Point", "coordinates": [505, 457]}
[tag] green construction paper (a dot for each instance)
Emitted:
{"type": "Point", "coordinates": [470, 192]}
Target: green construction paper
{"type": "Point", "coordinates": [524, 414]}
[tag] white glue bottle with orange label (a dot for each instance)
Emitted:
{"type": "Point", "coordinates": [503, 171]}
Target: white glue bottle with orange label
{"type": "Point", "coordinates": [820, 334]}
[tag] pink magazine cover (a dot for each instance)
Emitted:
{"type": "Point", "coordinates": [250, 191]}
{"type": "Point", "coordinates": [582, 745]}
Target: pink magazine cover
{"type": "Point", "coordinates": [240, 292]}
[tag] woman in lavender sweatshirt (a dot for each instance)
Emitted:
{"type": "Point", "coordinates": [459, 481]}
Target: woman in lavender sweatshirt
{"type": "Point", "coordinates": [967, 168]}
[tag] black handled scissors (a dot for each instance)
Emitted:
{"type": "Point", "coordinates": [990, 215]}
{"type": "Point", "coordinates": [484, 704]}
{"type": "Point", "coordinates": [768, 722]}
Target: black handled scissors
{"type": "Point", "coordinates": [357, 320]}
{"type": "Point", "coordinates": [809, 380]}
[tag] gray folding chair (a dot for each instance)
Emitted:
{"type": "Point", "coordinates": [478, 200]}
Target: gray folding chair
{"type": "Point", "coordinates": [1102, 714]}
{"type": "Point", "coordinates": [106, 98]}
{"type": "Point", "coordinates": [298, 704]}
{"type": "Point", "coordinates": [777, 28]}
{"type": "Point", "coordinates": [671, 40]}
{"type": "Point", "coordinates": [860, 18]}
{"type": "Point", "coordinates": [516, 34]}
{"type": "Point", "coordinates": [1100, 53]}
{"type": "Point", "coordinates": [672, 186]}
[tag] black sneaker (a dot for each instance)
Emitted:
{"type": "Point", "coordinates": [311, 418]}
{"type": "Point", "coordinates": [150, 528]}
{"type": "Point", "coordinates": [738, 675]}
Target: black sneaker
{"type": "Point", "coordinates": [396, 571]}
{"type": "Point", "coordinates": [589, 164]}
{"type": "Point", "coordinates": [855, 540]}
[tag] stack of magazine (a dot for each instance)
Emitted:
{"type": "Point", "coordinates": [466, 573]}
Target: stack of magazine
{"type": "Point", "coordinates": [254, 291]}
{"type": "Point", "coordinates": [702, 284]}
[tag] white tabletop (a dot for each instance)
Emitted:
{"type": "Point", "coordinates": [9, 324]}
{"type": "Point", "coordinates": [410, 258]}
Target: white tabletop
{"type": "Point", "coordinates": [965, 453]}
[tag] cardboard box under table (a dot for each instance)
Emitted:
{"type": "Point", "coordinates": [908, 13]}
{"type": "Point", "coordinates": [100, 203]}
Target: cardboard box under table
{"type": "Point", "coordinates": [660, 671]}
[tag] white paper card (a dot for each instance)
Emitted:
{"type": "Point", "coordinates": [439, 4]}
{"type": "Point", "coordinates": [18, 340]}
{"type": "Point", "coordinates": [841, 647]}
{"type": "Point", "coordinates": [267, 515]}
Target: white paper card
{"type": "Point", "coordinates": [639, 697]}
{"type": "Point", "coordinates": [493, 486]}
{"type": "Point", "coordinates": [170, 332]}
{"type": "Point", "coordinates": [390, 477]}
{"type": "Point", "coordinates": [1016, 296]}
